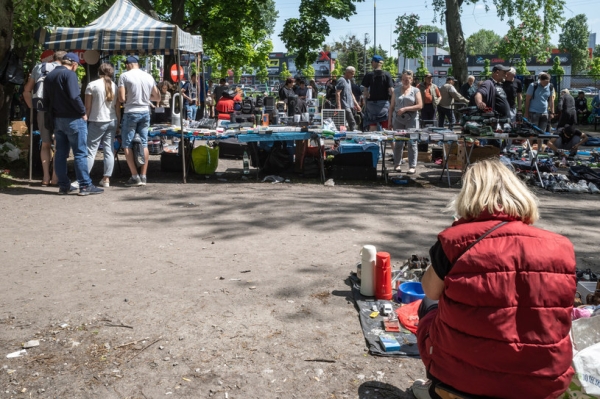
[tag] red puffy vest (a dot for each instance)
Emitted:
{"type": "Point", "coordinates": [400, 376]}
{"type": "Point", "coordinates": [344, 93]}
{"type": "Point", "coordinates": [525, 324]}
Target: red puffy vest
{"type": "Point", "coordinates": [502, 328]}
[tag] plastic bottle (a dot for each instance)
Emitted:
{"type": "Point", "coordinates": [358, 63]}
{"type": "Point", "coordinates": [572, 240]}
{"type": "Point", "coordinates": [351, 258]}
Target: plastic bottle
{"type": "Point", "coordinates": [246, 163]}
{"type": "Point", "coordinates": [383, 277]}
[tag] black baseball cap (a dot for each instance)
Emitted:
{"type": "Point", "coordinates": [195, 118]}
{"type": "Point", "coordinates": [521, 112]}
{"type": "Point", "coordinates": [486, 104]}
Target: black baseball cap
{"type": "Point", "coordinates": [500, 67]}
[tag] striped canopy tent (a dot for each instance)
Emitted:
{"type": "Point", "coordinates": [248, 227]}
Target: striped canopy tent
{"type": "Point", "coordinates": [124, 28]}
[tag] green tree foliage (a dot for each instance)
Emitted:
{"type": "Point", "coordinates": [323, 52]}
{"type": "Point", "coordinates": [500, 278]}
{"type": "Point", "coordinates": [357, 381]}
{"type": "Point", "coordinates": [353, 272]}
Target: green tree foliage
{"type": "Point", "coordinates": [531, 37]}
{"type": "Point", "coordinates": [338, 70]}
{"type": "Point", "coordinates": [486, 73]}
{"type": "Point", "coordinates": [348, 46]}
{"type": "Point", "coordinates": [407, 33]}
{"type": "Point", "coordinates": [235, 33]}
{"type": "Point", "coordinates": [306, 34]}
{"type": "Point", "coordinates": [449, 11]}
{"type": "Point", "coordinates": [262, 74]}
{"type": "Point", "coordinates": [574, 39]}
{"type": "Point", "coordinates": [285, 73]}
{"type": "Point", "coordinates": [556, 69]}
{"type": "Point", "coordinates": [441, 31]}
{"type": "Point", "coordinates": [308, 72]}
{"type": "Point", "coordinates": [421, 70]}
{"type": "Point", "coordinates": [390, 64]}
{"type": "Point", "coordinates": [595, 68]}
{"type": "Point", "coordinates": [483, 41]}
{"type": "Point", "coordinates": [521, 67]}
{"type": "Point", "coordinates": [597, 50]}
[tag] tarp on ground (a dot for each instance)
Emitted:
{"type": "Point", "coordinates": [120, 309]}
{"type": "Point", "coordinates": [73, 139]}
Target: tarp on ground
{"type": "Point", "coordinates": [124, 28]}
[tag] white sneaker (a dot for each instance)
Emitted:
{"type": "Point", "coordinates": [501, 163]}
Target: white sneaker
{"type": "Point", "coordinates": [411, 171]}
{"type": "Point", "coordinates": [104, 183]}
{"type": "Point", "coordinates": [420, 389]}
{"type": "Point", "coordinates": [75, 184]}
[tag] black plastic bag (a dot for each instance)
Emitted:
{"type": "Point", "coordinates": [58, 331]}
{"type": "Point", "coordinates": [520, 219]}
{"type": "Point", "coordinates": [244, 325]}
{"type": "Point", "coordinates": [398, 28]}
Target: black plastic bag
{"type": "Point", "coordinates": [11, 69]}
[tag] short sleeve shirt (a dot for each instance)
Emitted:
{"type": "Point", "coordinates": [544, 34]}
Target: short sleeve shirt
{"type": "Point", "coordinates": [378, 83]}
{"type": "Point", "coordinates": [138, 86]}
{"type": "Point", "coordinates": [345, 88]}
{"type": "Point", "coordinates": [493, 95]}
{"type": "Point", "coordinates": [539, 101]}
{"type": "Point", "coordinates": [102, 110]}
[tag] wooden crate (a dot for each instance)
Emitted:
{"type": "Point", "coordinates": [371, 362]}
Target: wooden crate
{"type": "Point", "coordinates": [424, 157]}
{"type": "Point", "coordinates": [478, 153]}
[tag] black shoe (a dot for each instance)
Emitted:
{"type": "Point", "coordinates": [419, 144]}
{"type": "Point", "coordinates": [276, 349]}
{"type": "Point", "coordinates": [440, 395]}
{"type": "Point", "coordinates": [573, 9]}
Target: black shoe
{"type": "Point", "coordinates": [91, 189]}
{"type": "Point", "coordinates": [62, 191]}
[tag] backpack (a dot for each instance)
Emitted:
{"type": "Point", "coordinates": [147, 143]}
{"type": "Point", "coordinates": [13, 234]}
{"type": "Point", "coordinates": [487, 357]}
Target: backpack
{"type": "Point", "coordinates": [535, 87]}
{"type": "Point", "coordinates": [38, 88]}
{"type": "Point", "coordinates": [260, 101]}
{"type": "Point", "coordinates": [248, 106]}
{"type": "Point", "coordinates": [330, 92]}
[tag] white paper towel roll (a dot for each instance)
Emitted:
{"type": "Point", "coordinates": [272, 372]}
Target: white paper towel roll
{"type": "Point", "coordinates": [367, 281]}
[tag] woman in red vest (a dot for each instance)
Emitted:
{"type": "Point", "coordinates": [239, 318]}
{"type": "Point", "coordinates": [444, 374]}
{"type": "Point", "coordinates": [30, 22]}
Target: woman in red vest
{"type": "Point", "coordinates": [505, 290]}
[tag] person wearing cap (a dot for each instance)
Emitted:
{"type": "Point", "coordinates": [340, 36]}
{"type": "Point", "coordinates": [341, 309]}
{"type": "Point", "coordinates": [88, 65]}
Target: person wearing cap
{"type": "Point", "coordinates": [431, 98]}
{"type": "Point", "coordinates": [137, 89]}
{"type": "Point", "coordinates": [539, 101]}
{"type": "Point", "coordinates": [378, 87]}
{"type": "Point", "coordinates": [490, 93]}
{"type": "Point", "coordinates": [30, 90]}
{"type": "Point", "coordinates": [514, 92]}
{"type": "Point", "coordinates": [581, 106]}
{"type": "Point", "coordinates": [449, 94]}
{"type": "Point", "coordinates": [62, 93]}
{"type": "Point", "coordinates": [569, 139]}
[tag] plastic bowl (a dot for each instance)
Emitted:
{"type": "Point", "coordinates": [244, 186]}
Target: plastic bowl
{"type": "Point", "coordinates": [410, 291]}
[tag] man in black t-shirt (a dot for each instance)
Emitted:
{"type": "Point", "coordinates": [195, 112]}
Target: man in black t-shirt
{"type": "Point", "coordinates": [569, 139]}
{"type": "Point", "coordinates": [514, 92]}
{"type": "Point", "coordinates": [219, 90]}
{"type": "Point", "coordinates": [491, 94]}
{"type": "Point", "coordinates": [378, 87]}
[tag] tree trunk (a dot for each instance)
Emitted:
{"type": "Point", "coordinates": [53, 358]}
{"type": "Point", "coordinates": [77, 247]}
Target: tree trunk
{"type": "Point", "coordinates": [6, 31]}
{"type": "Point", "coordinates": [456, 40]}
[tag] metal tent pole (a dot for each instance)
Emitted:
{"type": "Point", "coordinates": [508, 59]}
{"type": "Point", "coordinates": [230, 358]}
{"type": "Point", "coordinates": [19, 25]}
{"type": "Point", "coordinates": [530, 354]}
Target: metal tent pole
{"type": "Point", "coordinates": [31, 124]}
{"type": "Point", "coordinates": [181, 118]}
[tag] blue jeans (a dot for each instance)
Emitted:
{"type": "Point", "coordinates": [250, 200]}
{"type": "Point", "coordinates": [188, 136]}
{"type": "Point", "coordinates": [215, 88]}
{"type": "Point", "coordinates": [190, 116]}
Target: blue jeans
{"type": "Point", "coordinates": [71, 134]}
{"type": "Point", "coordinates": [191, 112]}
{"type": "Point", "coordinates": [135, 122]}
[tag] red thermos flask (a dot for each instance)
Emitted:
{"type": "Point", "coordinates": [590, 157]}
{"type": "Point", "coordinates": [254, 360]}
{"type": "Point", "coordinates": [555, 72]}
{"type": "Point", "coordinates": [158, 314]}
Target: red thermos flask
{"type": "Point", "coordinates": [383, 276]}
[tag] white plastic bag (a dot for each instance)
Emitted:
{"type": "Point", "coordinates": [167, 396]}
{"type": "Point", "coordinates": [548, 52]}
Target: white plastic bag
{"type": "Point", "coordinates": [587, 366]}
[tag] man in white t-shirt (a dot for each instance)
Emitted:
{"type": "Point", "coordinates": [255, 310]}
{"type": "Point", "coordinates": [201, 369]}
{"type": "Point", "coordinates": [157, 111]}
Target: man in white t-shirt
{"type": "Point", "coordinates": [137, 89]}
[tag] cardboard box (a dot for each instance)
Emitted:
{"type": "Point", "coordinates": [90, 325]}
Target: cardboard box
{"type": "Point", "coordinates": [19, 128]}
{"type": "Point", "coordinates": [454, 162]}
{"type": "Point", "coordinates": [478, 153]}
{"type": "Point", "coordinates": [424, 157]}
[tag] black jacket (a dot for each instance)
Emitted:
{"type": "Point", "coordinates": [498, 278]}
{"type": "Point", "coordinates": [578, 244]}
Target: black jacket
{"type": "Point", "coordinates": [61, 90]}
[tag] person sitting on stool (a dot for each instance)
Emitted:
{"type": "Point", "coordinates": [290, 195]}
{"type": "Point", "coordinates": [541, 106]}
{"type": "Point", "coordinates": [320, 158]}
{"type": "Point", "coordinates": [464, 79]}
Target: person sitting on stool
{"type": "Point", "coordinates": [569, 140]}
{"type": "Point", "coordinates": [581, 105]}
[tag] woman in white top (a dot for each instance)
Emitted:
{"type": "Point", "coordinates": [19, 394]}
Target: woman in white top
{"type": "Point", "coordinates": [405, 105]}
{"type": "Point", "coordinates": [103, 114]}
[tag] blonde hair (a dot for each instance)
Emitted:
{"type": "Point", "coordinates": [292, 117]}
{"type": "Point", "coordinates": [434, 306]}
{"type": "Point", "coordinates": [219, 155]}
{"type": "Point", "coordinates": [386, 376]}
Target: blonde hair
{"type": "Point", "coordinates": [490, 186]}
{"type": "Point", "coordinates": [106, 72]}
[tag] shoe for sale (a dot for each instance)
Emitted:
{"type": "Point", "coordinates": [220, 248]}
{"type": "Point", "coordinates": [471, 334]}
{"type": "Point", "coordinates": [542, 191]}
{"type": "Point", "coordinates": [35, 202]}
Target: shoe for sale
{"type": "Point", "coordinates": [134, 182]}
{"type": "Point", "coordinates": [91, 189]}
{"type": "Point", "coordinates": [411, 171]}
{"type": "Point", "coordinates": [62, 191]}
{"type": "Point", "coordinates": [143, 180]}
{"type": "Point", "coordinates": [104, 183]}
{"type": "Point", "coordinates": [420, 389]}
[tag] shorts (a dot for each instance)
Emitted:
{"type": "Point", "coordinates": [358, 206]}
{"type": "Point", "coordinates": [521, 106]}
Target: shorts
{"type": "Point", "coordinates": [134, 122]}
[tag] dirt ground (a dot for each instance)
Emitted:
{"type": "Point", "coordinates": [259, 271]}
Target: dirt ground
{"type": "Point", "coordinates": [222, 287]}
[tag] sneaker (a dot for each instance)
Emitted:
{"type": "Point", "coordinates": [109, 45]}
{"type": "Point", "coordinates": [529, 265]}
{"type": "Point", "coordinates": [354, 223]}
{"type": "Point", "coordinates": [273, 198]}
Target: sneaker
{"type": "Point", "coordinates": [143, 180]}
{"type": "Point", "coordinates": [411, 171]}
{"type": "Point", "coordinates": [91, 189]}
{"type": "Point", "coordinates": [134, 182]}
{"type": "Point", "coordinates": [104, 183]}
{"type": "Point", "coordinates": [75, 184]}
{"type": "Point", "coordinates": [62, 191]}
{"type": "Point", "coordinates": [420, 389]}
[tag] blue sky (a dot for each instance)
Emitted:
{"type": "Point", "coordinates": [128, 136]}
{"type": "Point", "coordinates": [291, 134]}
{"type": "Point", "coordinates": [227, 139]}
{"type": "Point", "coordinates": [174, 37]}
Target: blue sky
{"type": "Point", "coordinates": [474, 18]}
